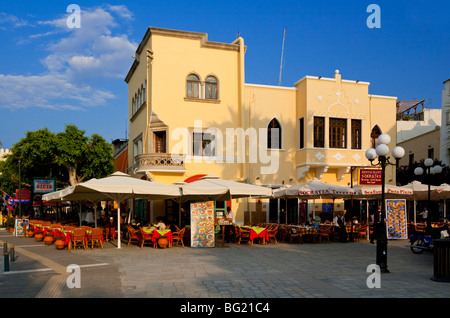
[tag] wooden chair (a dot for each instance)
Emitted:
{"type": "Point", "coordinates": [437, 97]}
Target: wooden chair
{"type": "Point", "coordinates": [243, 236]}
{"type": "Point", "coordinates": [79, 238]}
{"type": "Point", "coordinates": [325, 233]}
{"type": "Point", "coordinates": [356, 232]}
{"type": "Point", "coordinates": [295, 234]}
{"type": "Point", "coordinates": [420, 227]}
{"type": "Point", "coordinates": [96, 238]}
{"type": "Point", "coordinates": [273, 234]}
{"type": "Point", "coordinates": [146, 239]}
{"type": "Point", "coordinates": [363, 231]}
{"type": "Point", "coordinates": [178, 236]}
{"type": "Point", "coordinates": [133, 235]}
{"type": "Point", "coordinates": [110, 232]}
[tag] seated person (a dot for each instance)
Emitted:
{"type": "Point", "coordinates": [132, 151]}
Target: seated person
{"type": "Point", "coordinates": [160, 224]}
{"type": "Point", "coordinates": [314, 224]}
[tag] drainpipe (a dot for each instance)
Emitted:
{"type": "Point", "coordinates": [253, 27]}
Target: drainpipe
{"type": "Point", "coordinates": [243, 113]}
{"type": "Point", "coordinates": [147, 93]}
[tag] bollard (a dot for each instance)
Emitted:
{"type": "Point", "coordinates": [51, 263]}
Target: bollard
{"type": "Point", "coordinates": [5, 247]}
{"type": "Point", "coordinates": [6, 262]}
{"type": "Point", "coordinates": [11, 254]}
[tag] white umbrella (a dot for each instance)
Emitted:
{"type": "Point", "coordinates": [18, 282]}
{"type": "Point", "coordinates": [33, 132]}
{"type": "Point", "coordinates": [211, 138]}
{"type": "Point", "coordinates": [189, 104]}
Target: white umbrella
{"type": "Point", "coordinates": [315, 189]}
{"type": "Point", "coordinates": [238, 189]}
{"type": "Point", "coordinates": [421, 190]}
{"type": "Point", "coordinates": [390, 191]}
{"type": "Point", "coordinates": [119, 187]}
{"type": "Point", "coordinates": [202, 191]}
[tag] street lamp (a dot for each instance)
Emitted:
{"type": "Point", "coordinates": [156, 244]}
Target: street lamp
{"type": "Point", "coordinates": [429, 171]}
{"type": "Point", "coordinates": [381, 151]}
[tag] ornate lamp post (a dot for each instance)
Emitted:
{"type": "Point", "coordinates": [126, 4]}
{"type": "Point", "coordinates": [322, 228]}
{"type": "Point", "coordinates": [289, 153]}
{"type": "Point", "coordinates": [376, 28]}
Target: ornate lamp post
{"type": "Point", "coordinates": [381, 151]}
{"type": "Point", "coordinates": [429, 171]}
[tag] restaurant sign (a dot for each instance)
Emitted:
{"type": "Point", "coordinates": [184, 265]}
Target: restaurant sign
{"type": "Point", "coordinates": [370, 176]}
{"type": "Point", "coordinates": [44, 186]}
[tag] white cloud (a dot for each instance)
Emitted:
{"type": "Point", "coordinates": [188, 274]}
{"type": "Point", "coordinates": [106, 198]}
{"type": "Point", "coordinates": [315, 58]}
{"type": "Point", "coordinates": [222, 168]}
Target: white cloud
{"type": "Point", "coordinates": [48, 91]}
{"type": "Point", "coordinates": [76, 57]}
{"type": "Point", "coordinates": [12, 20]}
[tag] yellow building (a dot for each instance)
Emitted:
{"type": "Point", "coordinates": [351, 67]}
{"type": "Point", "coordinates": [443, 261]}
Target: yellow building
{"type": "Point", "coordinates": [191, 112]}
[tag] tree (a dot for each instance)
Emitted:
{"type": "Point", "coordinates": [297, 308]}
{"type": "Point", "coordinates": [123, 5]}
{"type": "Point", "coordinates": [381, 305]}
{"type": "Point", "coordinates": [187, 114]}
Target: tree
{"type": "Point", "coordinates": [83, 157]}
{"type": "Point", "coordinates": [42, 154]}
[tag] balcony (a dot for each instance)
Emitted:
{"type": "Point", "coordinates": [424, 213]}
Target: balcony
{"type": "Point", "coordinates": [158, 162]}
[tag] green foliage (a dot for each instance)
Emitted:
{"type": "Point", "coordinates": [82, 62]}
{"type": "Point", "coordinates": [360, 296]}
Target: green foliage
{"type": "Point", "coordinates": [69, 157]}
{"type": "Point", "coordinates": [10, 223]}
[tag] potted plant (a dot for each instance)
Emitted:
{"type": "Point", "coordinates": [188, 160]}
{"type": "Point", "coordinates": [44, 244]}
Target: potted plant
{"type": "Point", "coordinates": [48, 239]}
{"type": "Point", "coordinates": [60, 242]}
{"type": "Point", "coordinates": [30, 231]}
{"type": "Point", "coordinates": [163, 241]}
{"type": "Point", "coordinates": [9, 224]}
{"type": "Point", "coordinates": [39, 235]}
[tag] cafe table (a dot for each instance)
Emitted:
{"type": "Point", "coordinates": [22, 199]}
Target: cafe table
{"type": "Point", "coordinates": [156, 234]}
{"type": "Point", "coordinates": [258, 232]}
{"type": "Point", "coordinates": [153, 234]}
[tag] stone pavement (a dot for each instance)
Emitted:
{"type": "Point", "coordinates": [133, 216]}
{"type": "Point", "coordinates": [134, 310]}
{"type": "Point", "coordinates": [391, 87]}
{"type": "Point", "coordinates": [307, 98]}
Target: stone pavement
{"type": "Point", "coordinates": [326, 270]}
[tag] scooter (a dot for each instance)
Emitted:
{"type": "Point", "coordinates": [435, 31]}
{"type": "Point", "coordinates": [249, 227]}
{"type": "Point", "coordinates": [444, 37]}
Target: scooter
{"type": "Point", "coordinates": [421, 242]}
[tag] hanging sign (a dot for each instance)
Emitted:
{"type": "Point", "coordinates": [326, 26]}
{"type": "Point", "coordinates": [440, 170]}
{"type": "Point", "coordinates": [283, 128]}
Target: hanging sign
{"type": "Point", "coordinates": [44, 186]}
{"type": "Point", "coordinates": [370, 176]}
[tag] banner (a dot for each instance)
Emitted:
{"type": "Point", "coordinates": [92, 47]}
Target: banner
{"type": "Point", "coordinates": [396, 219]}
{"type": "Point", "coordinates": [202, 224]}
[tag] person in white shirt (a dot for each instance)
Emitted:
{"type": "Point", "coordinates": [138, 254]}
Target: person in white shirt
{"type": "Point", "coordinates": [160, 225]}
{"type": "Point", "coordinates": [89, 218]}
{"type": "Point", "coordinates": [230, 214]}
{"type": "Point", "coordinates": [424, 214]}
{"type": "Point", "coordinates": [339, 222]}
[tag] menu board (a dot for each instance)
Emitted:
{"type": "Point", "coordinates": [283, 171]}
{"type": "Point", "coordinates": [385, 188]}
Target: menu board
{"type": "Point", "coordinates": [20, 226]}
{"type": "Point", "coordinates": [202, 224]}
{"type": "Point", "coordinates": [396, 219]}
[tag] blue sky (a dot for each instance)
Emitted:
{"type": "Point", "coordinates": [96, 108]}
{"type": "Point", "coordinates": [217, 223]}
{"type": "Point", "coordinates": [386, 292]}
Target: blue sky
{"type": "Point", "coordinates": [51, 75]}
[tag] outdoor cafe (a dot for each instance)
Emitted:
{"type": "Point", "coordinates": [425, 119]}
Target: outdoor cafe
{"type": "Point", "coordinates": [208, 229]}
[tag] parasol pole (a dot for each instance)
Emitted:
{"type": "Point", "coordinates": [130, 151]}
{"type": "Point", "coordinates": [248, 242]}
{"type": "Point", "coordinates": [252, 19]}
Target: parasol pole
{"type": "Point", "coordinates": [118, 224]}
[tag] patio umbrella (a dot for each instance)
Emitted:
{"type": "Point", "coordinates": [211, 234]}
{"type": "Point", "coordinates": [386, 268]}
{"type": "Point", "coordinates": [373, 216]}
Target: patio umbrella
{"type": "Point", "coordinates": [314, 189]}
{"type": "Point", "coordinates": [118, 187]}
{"type": "Point", "coordinates": [238, 189]}
{"type": "Point", "coordinates": [390, 191]}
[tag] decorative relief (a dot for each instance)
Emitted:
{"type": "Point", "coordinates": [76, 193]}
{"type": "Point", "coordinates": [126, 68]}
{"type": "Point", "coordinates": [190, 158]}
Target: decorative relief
{"type": "Point", "coordinates": [319, 156]}
{"type": "Point", "coordinates": [338, 156]}
{"type": "Point", "coordinates": [337, 115]}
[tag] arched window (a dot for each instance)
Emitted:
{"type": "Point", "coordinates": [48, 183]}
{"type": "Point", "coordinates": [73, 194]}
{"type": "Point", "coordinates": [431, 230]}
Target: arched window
{"type": "Point", "coordinates": [274, 134]}
{"type": "Point", "coordinates": [193, 86]}
{"type": "Point", "coordinates": [211, 85]}
{"type": "Point", "coordinates": [376, 131]}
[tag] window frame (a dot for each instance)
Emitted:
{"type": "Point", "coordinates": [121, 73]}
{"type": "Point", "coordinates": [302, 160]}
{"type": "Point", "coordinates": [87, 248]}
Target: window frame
{"type": "Point", "coordinates": [270, 126]}
{"type": "Point", "coordinates": [319, 132]}
{"type": "Point", "coordinates": [203, 144]}
{"type": "Point", "coordinates": [209, 85]}
{"type": "Point", "coordinates": [356, 134]}
{"type": "Point", "coordinates": [338, 133]}
{"type": "Point", "coordinates": [190, 86]}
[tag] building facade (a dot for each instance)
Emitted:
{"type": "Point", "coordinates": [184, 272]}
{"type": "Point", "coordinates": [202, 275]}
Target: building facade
{"type": "Point", "coordinates": [445, 128]}
{"type": "Point", "coordinates": [191, 112]}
